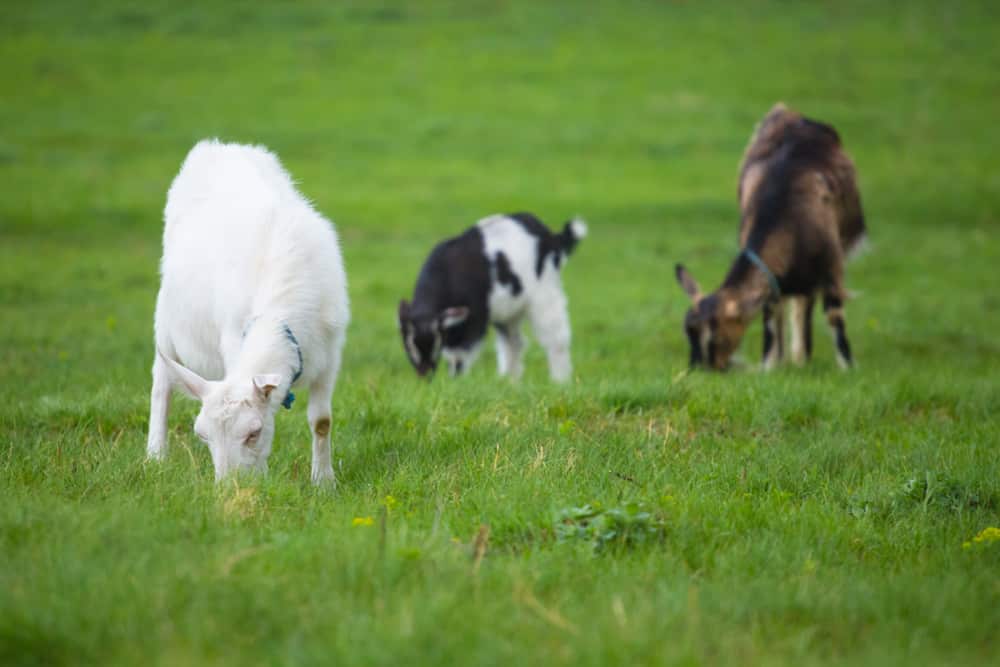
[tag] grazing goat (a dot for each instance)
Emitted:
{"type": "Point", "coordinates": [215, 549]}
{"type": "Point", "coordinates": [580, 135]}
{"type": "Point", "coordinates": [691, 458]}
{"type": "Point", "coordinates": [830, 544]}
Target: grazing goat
{"type": "Point", "coordinates": [253, 299]}
{"type": "Point", "coordinates": [800, 218]}
{"type": "Point", "coordinates": [504, 268]}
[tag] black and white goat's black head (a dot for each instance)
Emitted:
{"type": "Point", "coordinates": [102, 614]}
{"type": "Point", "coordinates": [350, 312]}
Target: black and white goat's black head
{"type": "Point", "coordinates": [423, 334]}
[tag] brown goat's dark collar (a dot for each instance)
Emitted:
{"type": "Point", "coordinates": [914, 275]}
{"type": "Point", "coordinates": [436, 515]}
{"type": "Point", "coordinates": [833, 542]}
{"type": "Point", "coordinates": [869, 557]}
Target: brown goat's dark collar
{"type": "Point", "coordinates": [772, 281]}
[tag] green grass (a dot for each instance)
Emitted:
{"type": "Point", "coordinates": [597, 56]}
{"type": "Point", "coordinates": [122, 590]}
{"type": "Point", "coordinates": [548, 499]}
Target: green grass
{"type": "Point", "coordinates": [801, 517]}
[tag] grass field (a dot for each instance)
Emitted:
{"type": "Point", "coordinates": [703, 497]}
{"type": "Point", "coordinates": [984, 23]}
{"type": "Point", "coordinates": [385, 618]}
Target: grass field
{"type": "Point", "coordinates": [805, 516]}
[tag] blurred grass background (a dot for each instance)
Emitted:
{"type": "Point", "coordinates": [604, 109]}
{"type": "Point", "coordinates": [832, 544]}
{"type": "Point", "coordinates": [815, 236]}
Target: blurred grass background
{"type": "Point", "coordinates": [810, 516]}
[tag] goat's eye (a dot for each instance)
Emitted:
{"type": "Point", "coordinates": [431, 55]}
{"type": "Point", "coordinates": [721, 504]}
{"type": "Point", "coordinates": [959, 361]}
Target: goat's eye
{"type": "Point", "coordinates": [251, 437]}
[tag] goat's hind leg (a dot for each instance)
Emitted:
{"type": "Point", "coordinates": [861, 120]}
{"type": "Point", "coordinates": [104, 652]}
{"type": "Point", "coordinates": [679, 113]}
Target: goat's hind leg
{"type": "Point", "coordinates": [159, 407]}
{"type": "Point", "coordinates": [550, 322]}
{"type": "Point", "coordinates": [510, 349]}
{"type": "Point", "coordinates": [833, 307]}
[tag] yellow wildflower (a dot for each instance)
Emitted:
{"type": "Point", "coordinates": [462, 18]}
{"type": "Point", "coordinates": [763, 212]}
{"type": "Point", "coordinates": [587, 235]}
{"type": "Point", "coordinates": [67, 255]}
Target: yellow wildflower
{"type": "Point", "coordinates": [987, 535]}
{"type": "Point", "coordinates": [390, 503]}
{"type": "Point", "coordinates": [363, 521]}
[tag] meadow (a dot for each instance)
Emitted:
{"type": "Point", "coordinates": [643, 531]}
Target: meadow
{"type": "Point", "coordinates": [640, 515]}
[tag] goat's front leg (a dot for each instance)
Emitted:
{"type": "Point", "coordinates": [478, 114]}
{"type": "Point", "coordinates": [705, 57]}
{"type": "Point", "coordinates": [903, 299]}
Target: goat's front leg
{"type": "Point", "coordinates": [320, 422]}
{"type": "Point", "coordinates": [833, 307]}
{"type": "Point", "coordinates": [460, 359]}
{"type": "Point", "coordinates": [801, 324]}
{"type": "Point", "coordinates": [774, 339]}
{"type": "Point", "coordinates": [159, 407]}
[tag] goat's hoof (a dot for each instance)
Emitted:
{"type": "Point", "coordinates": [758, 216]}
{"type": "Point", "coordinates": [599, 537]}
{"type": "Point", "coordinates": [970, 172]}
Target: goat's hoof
{"type": "Point", "coordinates": [324, 478]}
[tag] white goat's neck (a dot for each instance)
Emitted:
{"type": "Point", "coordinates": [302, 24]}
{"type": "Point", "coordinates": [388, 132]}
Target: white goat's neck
{"type": "Point", "coordinates": [267, 348]}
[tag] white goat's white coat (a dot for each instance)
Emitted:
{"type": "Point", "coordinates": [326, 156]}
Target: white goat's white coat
{"type": "Point", "coordinates": [252, 275]}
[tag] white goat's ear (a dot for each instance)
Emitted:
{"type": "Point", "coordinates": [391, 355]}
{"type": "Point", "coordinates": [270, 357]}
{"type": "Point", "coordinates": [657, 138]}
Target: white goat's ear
{"type": "Point", "coordinates": [265, 384]}
{"type": "Point", "coordinates": [190, 382]}
{"type": "Point", "coordinates": [454, 316]}
{"type": "Point", "coordinates": [688, 283]}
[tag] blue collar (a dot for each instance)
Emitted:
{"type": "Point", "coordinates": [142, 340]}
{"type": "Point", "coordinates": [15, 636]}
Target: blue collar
{"type": "Point", "coordinates": [290, 397]}
{"type": "Point", "coordinates": [755, 258]}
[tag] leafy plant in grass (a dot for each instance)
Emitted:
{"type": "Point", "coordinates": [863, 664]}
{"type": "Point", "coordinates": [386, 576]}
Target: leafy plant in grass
{"type": "Point", "coordinates": [611, 529]}
{"type": "Point", "coordinates": [927, 491]}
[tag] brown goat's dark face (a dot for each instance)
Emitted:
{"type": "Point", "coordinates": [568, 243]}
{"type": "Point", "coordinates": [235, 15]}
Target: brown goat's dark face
{"type": "Point", "coordinates": [714, 330]}
{"type": "Point", "coordinates": [714, 324]}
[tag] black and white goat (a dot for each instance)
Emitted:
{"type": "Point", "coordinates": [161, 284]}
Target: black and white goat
{"type": "Point", "coordinates": [800, 218]}
{"type": "Point", "coordinates": [505, 268]}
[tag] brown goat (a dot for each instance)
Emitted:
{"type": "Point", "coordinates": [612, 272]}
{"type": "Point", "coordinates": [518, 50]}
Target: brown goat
{"type": "Point", "coordinates": [800, 218]}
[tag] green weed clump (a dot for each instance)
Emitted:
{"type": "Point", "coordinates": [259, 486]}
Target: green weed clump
{"type": "Point", "coordinates": [926, 492]}
{"type": "Point", "coordinates": [609, 529]}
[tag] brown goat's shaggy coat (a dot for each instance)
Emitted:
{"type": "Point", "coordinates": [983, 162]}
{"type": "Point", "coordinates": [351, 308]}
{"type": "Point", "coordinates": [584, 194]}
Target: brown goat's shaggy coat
{"type": "Point", "coordinates": [801, 215]}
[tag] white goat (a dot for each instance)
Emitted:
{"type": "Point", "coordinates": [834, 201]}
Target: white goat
{"type": "Point", "coordinates": [253, 299]}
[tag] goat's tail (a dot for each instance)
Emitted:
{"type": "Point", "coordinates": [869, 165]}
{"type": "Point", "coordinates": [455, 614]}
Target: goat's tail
{"type": "Point", "coordinates": [572, 233]}
{"type": "Point", "coordinates": [854, 236]}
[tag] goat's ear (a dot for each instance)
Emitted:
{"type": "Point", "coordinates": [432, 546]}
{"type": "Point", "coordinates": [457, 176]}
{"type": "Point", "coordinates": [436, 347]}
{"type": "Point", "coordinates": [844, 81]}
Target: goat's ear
{"type": "Point", "coordinates": [265, 384]}
{"type": "Point", "coordinates": [733, 308]}
{"type": "Point", "coordinates": [453, 316]}
{"type": "Point", "coordinates": [404, 311]}
{"type": "Point", "coordinates": [687, 283]}
{"type": "Point", "coordinates": [189, 382]}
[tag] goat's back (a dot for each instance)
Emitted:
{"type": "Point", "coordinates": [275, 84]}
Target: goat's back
{"type": "Point", "coordinates": [795, 171]}
{"type": "Point", "coordinates": [239, 241]}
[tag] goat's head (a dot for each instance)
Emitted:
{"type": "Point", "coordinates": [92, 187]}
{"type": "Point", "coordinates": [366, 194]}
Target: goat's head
{"type": "Point", "coordinates": [423, 334]}
{"type": "Point", "coordinates": [236, 420]}
{"type": "Point", "coordinates": [714, 324]}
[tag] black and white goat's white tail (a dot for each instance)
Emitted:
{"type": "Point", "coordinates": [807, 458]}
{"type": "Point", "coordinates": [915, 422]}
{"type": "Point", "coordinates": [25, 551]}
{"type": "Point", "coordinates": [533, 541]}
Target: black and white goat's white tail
{"type": "Point", "coordinates": [572, 233]}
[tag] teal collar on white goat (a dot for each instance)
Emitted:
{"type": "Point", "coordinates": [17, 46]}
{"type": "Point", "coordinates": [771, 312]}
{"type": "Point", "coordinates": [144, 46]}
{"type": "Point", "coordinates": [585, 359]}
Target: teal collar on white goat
{"type": "Point", "coordinates": [289, 397]}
